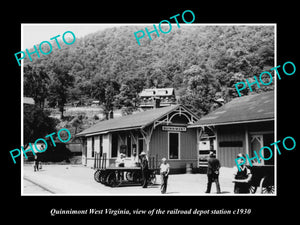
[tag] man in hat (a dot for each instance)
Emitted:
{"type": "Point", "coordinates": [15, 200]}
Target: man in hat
{"type": "Point", "coordinates": [164, 174]}
{"type": "Point", "coordinates": [213, 172]}
{"type": "Point", "coordinates": [145, 169]}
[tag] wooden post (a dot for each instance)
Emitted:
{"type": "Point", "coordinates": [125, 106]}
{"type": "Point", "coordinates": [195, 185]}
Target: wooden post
{"type": "Point", "coordinates": [95, 159]}
{"type": "Point", "coordinates": [147, 133]}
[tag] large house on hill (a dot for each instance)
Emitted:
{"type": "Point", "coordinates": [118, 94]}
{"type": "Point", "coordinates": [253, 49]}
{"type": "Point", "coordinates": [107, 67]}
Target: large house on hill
{"type": "Point", "coordinates": [151, 98]}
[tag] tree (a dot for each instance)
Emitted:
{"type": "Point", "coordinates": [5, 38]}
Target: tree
{"type": "Point", "coordinates": [229, 52]}
{"type": "Point", "coordinates": [111, 90]}
{"type": "Point", "coordinates": [105, 90]}
{"type": "Point", "coordinates": [36, 82]}
{"type": "Point", "coordinates": [77, 122]}
{"type": "Point", "coordinates": [227, 83]}
{"type": "Point", "coordinates": [37, 123]}
{"type": "Point", "coordinates": [128, 98]}
{"type": "Point", "coordinates": [59, 87]}
{"type": "Point", "coordinates": [97, 88]}
{"type": "Point", "coordinates": [200, 90]}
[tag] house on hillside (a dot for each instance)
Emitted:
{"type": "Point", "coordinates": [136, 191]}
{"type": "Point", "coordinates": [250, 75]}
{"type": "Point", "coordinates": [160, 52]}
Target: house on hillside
{"type": "Point", "coordinates": [243, 125]}
{"type": "Point", "coordinates": [160, 132]}
{"type": "Point", "coordinates": [162, 96]}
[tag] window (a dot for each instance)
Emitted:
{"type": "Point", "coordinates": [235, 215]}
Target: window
{"type": "Point", "coordinates": [140, 146]}
{"type": "Point", "coordinates": [101, 145]}
{"type": "Point", "coordinates": [128, 146]}
{"type": "Point", "coordinates": [114, 145]}
{"type": "Point", "coordinates": [173, 145]}
{"type": "Point", "coordinates": [93, 146]}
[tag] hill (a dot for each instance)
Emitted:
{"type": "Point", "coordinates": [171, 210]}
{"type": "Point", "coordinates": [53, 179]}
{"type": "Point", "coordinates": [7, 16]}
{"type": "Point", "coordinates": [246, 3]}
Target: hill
{"type": "Point", "coordinates": [200, 62]}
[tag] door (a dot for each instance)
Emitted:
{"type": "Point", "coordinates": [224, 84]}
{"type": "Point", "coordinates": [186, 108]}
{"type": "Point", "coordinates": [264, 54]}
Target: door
{"type": "Point", "coordinates": [173, 145]}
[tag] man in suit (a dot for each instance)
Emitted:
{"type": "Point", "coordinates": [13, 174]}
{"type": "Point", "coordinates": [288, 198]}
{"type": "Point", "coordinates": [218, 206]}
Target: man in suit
{"type": "Point", "coordinates": [145, 169]}
{"type": "Point", "coordinates": [213, 172]}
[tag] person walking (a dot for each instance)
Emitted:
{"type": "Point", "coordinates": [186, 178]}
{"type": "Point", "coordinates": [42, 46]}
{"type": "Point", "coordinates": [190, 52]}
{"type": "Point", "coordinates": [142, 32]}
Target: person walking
{"type": "Point", "coordinates": [36, 163]}
{"type": "Point", "coordinates": [145, 169]}
{"type": "Point", "coordinates": [241, 177]}
{"type": "Point", "coordinates": [164, 174]}
{"type": "Point", "coordinates": [213, 172]}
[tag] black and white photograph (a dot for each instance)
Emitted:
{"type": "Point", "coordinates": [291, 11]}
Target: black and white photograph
{"type": "Point", "coordinates": [133, 105]}
{"type": "Point", "coordinates": [145, 112]}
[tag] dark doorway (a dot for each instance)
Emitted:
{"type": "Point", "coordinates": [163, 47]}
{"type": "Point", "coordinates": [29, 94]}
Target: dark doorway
{"type": "Point", "coordinates": [173, 145]}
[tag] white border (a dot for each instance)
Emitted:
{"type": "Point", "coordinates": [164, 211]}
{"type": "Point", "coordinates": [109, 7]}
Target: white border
{"type": "Point", "coordinates": [149, 24]}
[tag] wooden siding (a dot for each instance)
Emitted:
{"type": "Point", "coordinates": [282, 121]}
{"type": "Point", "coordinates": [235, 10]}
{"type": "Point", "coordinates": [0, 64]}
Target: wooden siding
{"type": "Point", "coordinates": [188, 147]}
{"type": "Point", "coordinates": [230, 133]}
{"type": "Point", "coordinates": [159, 143]}
{"type": "Point", "coordinates": [237, 132]}
{"type": "Point", "coordinates": [158, 147]}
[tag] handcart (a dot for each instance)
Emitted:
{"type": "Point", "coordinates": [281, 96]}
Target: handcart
{"type": "Point", "coordinates": [116, 176]}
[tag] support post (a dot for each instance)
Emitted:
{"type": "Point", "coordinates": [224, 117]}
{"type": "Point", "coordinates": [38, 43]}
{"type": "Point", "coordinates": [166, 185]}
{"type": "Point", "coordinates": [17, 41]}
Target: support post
{"type": "Point", "coordinates": [147, 133]}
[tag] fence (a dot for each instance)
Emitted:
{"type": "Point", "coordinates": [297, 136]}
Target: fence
{"type": "Point", "coordinates": [100, 161]}
{"type": "Point", "coordinates": [153, 162]}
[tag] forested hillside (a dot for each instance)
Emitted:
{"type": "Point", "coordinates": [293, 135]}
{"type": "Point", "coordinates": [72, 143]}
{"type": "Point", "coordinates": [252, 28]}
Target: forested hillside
{"type": "Point", "coordinates": [200, 62]}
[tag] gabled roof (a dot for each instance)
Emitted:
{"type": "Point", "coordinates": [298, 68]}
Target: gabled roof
{"type": "Point", "coordinates": [134, 121]}
{"type": "Point", "coordinates": [251, 108]}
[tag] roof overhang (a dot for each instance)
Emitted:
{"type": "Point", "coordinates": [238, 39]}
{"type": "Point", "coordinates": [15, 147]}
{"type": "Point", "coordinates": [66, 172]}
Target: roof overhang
{"type": "Point", "coordinates": [107, 131]}
{"type": "Point", "coordinates": [229, 123]}
{"type": "Point", "coordinates": [163, 118]}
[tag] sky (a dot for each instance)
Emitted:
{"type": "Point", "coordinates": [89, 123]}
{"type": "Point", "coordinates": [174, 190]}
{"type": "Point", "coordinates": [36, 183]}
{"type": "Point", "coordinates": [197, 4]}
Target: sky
{"type": "Point", "coordinates": [36, 33]}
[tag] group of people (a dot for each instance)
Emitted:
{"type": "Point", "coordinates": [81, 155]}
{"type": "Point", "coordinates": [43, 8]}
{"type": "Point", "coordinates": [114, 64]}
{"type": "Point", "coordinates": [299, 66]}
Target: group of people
{"type": "Point", "coordinates": [164, 168]}
{"type": "Point", "coordinates": [241, 177]}
{"type": "Point", "coordinates": [164, 172]}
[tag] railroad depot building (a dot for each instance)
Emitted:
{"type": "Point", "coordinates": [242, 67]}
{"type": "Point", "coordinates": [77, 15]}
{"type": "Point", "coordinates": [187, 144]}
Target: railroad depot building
{"type": "Point", "coordinates": [160, 132]}
{"type": "Point", "coordinates": [243, 125]}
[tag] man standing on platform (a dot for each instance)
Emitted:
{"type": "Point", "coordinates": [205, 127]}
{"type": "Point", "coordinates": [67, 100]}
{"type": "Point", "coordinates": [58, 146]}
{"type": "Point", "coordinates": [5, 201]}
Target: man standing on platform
{"type": "Point", "coordinates": [213, 172]}
{"type": "Point", "coordinates": [145, 169]}
{"type": "Point", "coordinates": [164, 174]}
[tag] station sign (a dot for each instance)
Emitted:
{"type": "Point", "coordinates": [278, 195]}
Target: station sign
{"type": "Point", "coordinates": [173, 128]}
